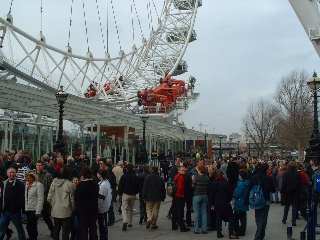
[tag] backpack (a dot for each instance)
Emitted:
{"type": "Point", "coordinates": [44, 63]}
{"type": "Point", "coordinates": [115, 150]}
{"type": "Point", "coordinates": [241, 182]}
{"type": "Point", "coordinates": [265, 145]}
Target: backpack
{"type": "Point", "coordinates": [171, 189]}
{"type": "Point", "coordinates": [256, 198]}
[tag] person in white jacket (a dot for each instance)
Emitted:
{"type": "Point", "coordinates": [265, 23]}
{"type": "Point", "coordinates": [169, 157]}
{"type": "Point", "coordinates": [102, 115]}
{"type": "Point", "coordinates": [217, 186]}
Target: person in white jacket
{"type": "Point", "coordinates": [34, 198]}
{"type": "Point", "coordinates": [104, 202]}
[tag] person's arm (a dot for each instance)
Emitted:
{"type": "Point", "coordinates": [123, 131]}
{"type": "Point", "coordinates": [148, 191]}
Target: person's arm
{"type": "Point", "coordinates": [50, 194]}
{"type": "Point", "coordinates": [120, 186]}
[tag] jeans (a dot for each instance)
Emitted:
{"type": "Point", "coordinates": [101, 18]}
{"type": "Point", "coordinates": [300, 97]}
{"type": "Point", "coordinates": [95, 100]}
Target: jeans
{"type": "Point", "coordinates": [32, 225]}
{"type": "Point", "coordinates": [64, 224]}
{"type": "Point", "coordinates": [200, 207]}
{"type": "Point", "coordinates": [240, 222]}
{"type": "Point", "coordinates": [16, 219]}
{"type": "Point", "coordinates": [261, 216]}
{"type": "Point", "coordinates": [103, 226]}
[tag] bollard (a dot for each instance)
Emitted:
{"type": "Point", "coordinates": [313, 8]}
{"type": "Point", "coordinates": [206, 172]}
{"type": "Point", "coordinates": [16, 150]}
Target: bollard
{"type": "Point", "coordinates": [289, 232]}
{"type": "Point", "coordinates": [303, 235]}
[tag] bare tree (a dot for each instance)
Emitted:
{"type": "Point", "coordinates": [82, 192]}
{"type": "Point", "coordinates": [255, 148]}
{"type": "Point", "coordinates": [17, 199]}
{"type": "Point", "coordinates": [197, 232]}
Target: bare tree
{"type": "Point", "coordinates": [260, 124]}
{"type": "Point", "coordinates": [295, 107]}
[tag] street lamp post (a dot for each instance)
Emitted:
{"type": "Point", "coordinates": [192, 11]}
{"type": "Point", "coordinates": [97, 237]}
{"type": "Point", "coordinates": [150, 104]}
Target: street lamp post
{"type": "Point", "coordinates": [145, 154]}
{"type": "Point", "coordinates": [61, 97]}
{"type": "Point", "coordinates": [313, 153]}
{"type": "Point", "coordinates": [249, 149]}
{"type": "Point", "coordinates": [238, 148]}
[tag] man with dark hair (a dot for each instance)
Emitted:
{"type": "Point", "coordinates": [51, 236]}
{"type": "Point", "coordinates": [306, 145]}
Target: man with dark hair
{"type": "Point", "coordinates": [12, 203]}
{"type": "Point", "coordinates": [128, 188]}
{"type": "Point", "coordinates": [86, 202]}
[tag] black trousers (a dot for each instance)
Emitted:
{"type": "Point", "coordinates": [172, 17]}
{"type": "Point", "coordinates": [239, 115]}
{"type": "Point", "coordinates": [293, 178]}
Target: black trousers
{"type": "Point", "coordinates": [88, 227]}
{"type": "Point", "coordinates": [294, 212]}
{"type": "Point", "coordinates": [32, 225]}
{"type": "Point", "coordinates": [178, 212]}
{"type": "Point", "coordinates": [65, 225]}
{"type": "Point", "coordinates": [46, 216]}
{"type": "Point", "coordinates": [189, 210]}
{"type": "Point", "coordinates": [231, 226]}
{"type": "Point", "coordinates": [143, 211]}
{"type": "Point", "coordinates": [261, 216]}
{"type": "Point", "coordinates": [111, 216]}
{"type": "Point", "coordinates": [240, 222]}
{"type": "Point", "coordinates": [103, 226]}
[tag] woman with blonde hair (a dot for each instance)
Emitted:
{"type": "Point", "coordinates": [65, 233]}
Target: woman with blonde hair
{"type": "Point", "coordinates": [34, 198]}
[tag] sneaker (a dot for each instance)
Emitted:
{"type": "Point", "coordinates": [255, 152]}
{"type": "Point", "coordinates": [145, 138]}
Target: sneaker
{"type": "Point", "coordinates": [154, 227]}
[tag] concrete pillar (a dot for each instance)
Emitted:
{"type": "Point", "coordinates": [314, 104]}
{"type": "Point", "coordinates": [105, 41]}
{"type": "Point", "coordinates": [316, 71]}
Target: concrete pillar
{"type": "Point", "coordinates": [126, 141]}
{"type": "Point", "coordinates": [39, 141]}
{"type": "Point", "coordinates": [10, 135]}
{"type": "Point", "coordinates": [98, 139]}
{"type": "Point", "coordinates": [91, 144]}
{"type": "Point", "coordinates": [5, 145]}
{"type": "Point", "coordinates": [150, 147]}
{"type": "Point", "coordinates": [51, 138]}
{"type": "Point", "coordinates": [133, 156]}
{"type": "Point", "coordinates": [82, 138]}
{"type": "Point", "coordinates": [22, 138]}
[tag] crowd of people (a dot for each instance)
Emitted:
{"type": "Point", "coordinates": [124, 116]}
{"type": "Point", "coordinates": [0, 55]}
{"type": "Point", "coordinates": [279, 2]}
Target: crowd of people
{"type": "Point", "coordinates": [77, 199]}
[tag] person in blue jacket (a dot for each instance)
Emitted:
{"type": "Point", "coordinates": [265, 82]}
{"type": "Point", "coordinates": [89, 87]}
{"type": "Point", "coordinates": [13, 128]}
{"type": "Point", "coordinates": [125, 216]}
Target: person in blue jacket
{"type": "Point", "coordinates": [240, 205]}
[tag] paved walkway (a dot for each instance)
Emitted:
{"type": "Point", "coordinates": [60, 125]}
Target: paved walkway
{"type": "Point", "coordinates": [275, 229]}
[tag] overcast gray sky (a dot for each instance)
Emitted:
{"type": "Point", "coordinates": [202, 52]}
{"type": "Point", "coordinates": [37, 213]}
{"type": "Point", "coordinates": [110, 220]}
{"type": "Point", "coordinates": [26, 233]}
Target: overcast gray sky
{"type": "Point", "coordinates": [243, 49]}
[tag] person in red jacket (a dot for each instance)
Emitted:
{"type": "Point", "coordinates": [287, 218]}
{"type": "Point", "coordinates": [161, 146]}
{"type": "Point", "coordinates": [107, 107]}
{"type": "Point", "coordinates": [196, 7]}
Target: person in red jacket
{"type": "Point", "coordinates": [179, 200]}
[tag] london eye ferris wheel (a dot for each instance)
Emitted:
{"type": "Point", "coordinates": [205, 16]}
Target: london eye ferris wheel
{"type": "Point", "coordinates": [103, 50]}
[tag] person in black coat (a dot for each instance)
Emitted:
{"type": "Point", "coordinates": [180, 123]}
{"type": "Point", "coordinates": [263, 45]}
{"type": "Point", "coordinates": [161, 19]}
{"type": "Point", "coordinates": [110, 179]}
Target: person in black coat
{"type": "Point", "coordinates": [153, 192]}
{"type": "Point", "coordinates": [290, 192]}
{"type": "Point", "coordinates": [128, 189]}
{"type": "Point", "coordinates": [233, 173]}
{"type": "Point", "coordinates": [86, 203]}
{"type": "Point", "coordinates": [12, 204]}
{"type": "Point", "coordinates": [220, 197]}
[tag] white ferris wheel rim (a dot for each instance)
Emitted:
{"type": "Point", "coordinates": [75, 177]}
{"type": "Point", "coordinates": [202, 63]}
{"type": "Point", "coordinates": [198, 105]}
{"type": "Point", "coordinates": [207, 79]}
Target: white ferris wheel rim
{"type": "Point", "coordinates": [146, 43]}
